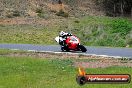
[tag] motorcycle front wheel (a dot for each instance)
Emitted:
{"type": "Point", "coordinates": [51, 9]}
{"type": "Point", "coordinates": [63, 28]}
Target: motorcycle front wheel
{"type": "Point", "coordinates": [82, 48]}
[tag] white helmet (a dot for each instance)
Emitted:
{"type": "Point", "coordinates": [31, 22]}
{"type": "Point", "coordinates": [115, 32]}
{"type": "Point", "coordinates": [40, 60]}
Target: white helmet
{"type": "Point", "coordinates": [62, 33]}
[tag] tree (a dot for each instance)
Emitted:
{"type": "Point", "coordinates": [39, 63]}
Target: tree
{"type": "Point", "coordinates": [117, 7]}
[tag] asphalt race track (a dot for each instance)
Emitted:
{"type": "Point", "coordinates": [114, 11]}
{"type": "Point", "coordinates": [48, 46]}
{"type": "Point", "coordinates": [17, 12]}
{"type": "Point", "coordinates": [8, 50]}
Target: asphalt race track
{"type": "Point", "coordinates": [116, 52]}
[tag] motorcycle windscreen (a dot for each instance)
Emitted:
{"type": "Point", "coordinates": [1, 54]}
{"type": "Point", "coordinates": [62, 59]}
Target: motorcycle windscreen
{"type": "Point", "coordinates": [74, 39]}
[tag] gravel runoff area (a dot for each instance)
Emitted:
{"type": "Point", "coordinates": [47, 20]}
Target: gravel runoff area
{"type": "Point", "coordinates": [85, 61]}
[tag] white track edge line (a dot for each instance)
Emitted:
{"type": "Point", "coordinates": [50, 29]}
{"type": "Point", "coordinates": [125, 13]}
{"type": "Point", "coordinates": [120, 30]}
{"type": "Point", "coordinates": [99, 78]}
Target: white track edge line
{"type": "Point", "coordinates": [75, 53]}
{"type": "Point", "coordinates": [84, 54]}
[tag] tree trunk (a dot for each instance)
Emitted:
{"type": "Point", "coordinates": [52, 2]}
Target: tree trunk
{"type": "Point", "coordinates": [59, 2]}
{"type": "Point", "coordinates": [131, 12]}
{"type": "Point", "coordinates": [114, 10]}
{"type": "Point", "coordinates": [122, 8]}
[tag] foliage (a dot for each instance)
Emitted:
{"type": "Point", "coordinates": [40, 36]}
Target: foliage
{"type": "Point", "coordinates": [27, 34]}
{"type": "Point", "coordinates": [13, 13]}
{"type": "Point", "coordinates": [40, 12]}
{"type": "Point", "coordinates": [41, 15]}
{"type": "Point", "coordinates": [92, 31]}
{"type": "Point", "coordinates": [116, 7]}
{"type": "Point", "coordinates": [16, 13]}
{"type": "Point", "coordinates": [121, 26]}
{"type": "Point", "coordinates": [25, 72]}
{"type": "Point", "coordinates": [103, 31]}
{"type": "Point", "coordinates": [62, 13]}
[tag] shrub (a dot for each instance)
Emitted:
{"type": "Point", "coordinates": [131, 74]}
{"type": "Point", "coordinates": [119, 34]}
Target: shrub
{"type": "Point", "coordinates": [16, 13]}
{"type": "Point", "coordinates": [62, 13]}
{"type": "Point", "coordinates": [41, 15]}
{"type": "Point", "coordinates": [40, 12]}
{"type": "Point", "coordinates": [129, 42]}
{"type": "Point", "coordinates": [76, 21]}
{"type": "Point", "coordinates": [9, 15]}
{"type": "Point", "coordinates": [121, 26]}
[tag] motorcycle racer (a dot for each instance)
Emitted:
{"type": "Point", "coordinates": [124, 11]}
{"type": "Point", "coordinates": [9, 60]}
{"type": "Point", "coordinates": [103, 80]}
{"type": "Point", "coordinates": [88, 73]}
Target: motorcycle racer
{"type": "Point", "coordinates": [69, 42]}
{"type": "Point", "coordinates": [62, 37]}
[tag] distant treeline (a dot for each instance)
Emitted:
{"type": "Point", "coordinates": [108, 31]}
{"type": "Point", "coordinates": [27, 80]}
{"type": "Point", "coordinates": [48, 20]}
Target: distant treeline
{"type": "Point", "coordinates": [116, 7]}
{"type": "Point", "coordinates": [107, 7]}
{"type": "Point", "coordinates": [111, 7]}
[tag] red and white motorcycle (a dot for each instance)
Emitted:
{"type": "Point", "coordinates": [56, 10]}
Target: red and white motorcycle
{"type": "Point", "coordinates": [72, 43]}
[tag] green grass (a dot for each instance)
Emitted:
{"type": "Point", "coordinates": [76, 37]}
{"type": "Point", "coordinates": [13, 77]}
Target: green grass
{"type": "Point", "coordinates": [104, 31]}
{"type": "Point", "coordinates": [8, 51]}
{"type": "Point", "coordinates": [92, 31]}
{"type": "Point", "coordinates": [27, 34]}
{"type": "Point", "coordinates": [18, 72]}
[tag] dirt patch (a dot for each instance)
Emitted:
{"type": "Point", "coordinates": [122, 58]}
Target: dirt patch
{"type": "Point", "coordinates": [29, 21]}
{"type": "Point", "coordinates": [103, 64]}
{"type": "Point", "coordinates": [57, 55]}
{"type": "Point", "coordinates": [78, 60]}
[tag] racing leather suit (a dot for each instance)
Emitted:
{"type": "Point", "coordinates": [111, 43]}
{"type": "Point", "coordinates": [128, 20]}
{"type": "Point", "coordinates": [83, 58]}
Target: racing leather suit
{"type": "Point", "coordinates": [63, 37]}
